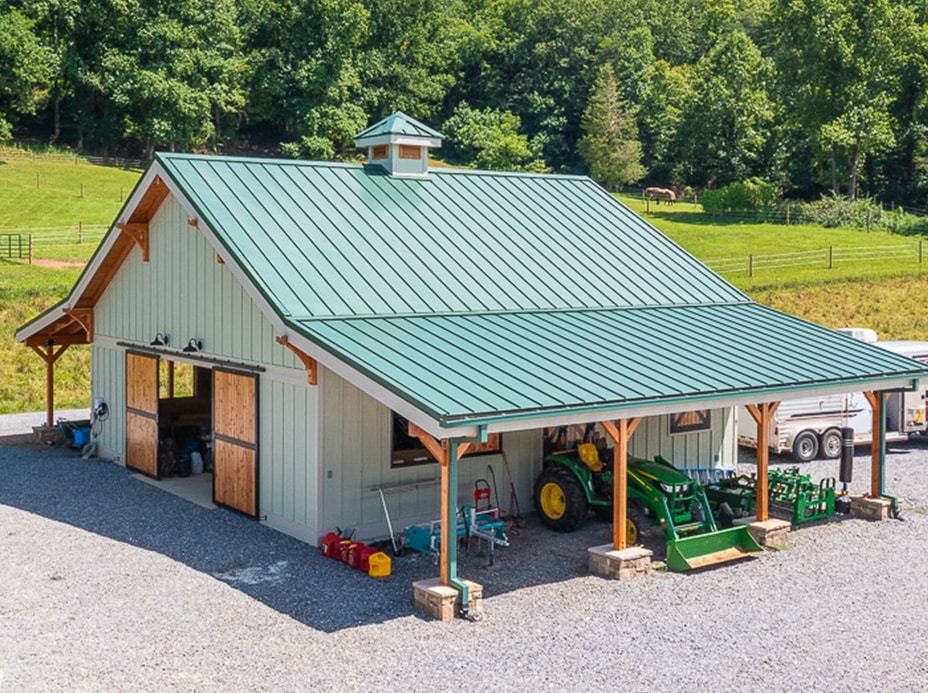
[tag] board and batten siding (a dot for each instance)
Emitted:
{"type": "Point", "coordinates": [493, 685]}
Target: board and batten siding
{"type": "Point", "coordinates": [184, 292]}
{"type": "Point", "coordinates": [357, 430]}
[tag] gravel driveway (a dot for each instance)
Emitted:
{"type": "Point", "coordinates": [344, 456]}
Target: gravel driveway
{"type": "Point", "coordinates": [107, 583]}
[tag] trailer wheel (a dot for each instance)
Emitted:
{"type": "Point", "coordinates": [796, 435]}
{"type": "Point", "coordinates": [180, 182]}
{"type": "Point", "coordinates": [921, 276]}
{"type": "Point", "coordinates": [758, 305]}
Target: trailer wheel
{"type": "Point", "coordinates": [805, 446]}
{"type": "Point", "coordinates": [831, 444]}
{"type": "Point", "coordinates": [560, 500]}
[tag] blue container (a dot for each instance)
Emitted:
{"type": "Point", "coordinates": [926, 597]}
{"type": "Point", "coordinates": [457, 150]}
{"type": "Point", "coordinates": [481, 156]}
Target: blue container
{"type": "Point", "coordinates": [81, 436]}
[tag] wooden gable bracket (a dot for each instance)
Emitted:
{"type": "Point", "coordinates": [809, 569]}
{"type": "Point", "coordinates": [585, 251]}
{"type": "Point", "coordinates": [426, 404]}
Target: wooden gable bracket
{"type": "Point", "coordinates": [84, 318]}
{"type": "Point", "coordinates": [138, 232]}
{"type": "Point", "coordinates": [438, 450]}
{"type": "Point", "coordinates": [312, 367]}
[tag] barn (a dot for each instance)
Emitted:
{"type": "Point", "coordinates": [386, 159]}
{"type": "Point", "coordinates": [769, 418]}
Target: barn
{"type": "Point", "coordinates": [334, 330]}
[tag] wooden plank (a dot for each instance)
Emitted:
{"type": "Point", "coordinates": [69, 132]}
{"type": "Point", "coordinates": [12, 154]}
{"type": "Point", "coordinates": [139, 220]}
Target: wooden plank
{"type": "Point", "coordinates": [142, 383]}
{"type": "Point", "coordinates": [235, 477]}
{"type": "Point", "coordinates": [234, 404]}
{"type": "Point", "coordinates": [877, 402]}
{"type": "Point", "coordinates": [142, 443]}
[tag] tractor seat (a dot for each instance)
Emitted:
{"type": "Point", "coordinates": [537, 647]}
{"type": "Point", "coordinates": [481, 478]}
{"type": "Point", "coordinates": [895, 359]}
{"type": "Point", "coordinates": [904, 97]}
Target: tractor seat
{"type": "Point", "coordinates": [589, 455]}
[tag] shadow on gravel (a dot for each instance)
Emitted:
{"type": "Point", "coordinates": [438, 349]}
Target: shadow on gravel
{"type": "Point", "coordinates": [280, 571]}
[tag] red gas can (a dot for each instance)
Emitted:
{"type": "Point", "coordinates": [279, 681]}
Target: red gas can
{"type": "Point", "coordinates": [354, 554]}
{"type": "Point", "coordinates": [329, 544]}
{"type": "Point", "coordinates": [344, 546]}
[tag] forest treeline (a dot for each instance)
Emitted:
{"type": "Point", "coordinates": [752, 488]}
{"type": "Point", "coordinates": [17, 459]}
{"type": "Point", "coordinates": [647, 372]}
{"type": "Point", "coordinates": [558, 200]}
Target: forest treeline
{"type": "Point", "coordinates": [810, 95]}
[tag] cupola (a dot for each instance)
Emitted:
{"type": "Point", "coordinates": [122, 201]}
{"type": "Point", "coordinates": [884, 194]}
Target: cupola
{"type": "Point", "coordinates": [400, 145]}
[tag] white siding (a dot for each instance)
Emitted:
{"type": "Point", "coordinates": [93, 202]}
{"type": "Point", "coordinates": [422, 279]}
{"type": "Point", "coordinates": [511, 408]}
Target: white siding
{"type": "Point", "coordinates": [184, 292]}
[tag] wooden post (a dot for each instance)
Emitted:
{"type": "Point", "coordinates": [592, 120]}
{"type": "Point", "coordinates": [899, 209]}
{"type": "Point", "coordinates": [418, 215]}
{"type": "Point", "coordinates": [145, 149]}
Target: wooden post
{"type": "Point", "coordinates": [762, 414]}
{"type": "Point", "coordinates": [80, 232]}
{"type": "Point", "coordinates": [831, 257]}
{"type": "Point", "coordinates": [787, 213]}
{"type": "Point", "coordinates": [30, 248]}
{"type": "Point", "coordinates": [620, 432]}
{"type": "Point", "coordinates": [877, 402]}
{"type": "Point", "coordinates": [50, 356]}
{"type": "Point", "coordinates": [751, 265]}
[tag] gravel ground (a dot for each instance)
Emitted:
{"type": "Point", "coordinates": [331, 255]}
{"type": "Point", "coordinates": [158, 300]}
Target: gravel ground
{"type": "Point", "coordinates": [107, 583]}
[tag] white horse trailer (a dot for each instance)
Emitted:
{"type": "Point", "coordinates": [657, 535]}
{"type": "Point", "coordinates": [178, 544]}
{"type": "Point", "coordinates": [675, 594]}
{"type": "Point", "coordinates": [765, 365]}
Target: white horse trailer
{"type": "Point", "coordinates": [810, 427]}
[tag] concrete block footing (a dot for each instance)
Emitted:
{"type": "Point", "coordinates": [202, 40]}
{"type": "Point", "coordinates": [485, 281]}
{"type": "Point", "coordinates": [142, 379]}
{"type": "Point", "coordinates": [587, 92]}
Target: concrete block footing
{"type": "Point", "coordinates": [871, 508]}
{"type": "Point", "coordinates": [442, 601]}
{"type": "Point", "coordinates": [770, 532]}
{"type": "Point", "coordinates": [47, 435]}
{"type": "Point", "coordinates": [626, 564]}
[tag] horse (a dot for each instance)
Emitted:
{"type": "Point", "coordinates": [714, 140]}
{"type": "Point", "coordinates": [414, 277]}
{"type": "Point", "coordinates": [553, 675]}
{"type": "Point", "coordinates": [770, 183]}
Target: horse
{"type": "Point", "coordinates": [659, 194]}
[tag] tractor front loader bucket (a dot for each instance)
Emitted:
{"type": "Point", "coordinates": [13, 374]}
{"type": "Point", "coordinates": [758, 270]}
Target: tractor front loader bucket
{"type": "Point", "coordinates": [703, 550]}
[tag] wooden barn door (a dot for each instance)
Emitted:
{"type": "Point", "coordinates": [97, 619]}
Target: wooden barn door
{"type": "Point", "coordinates": [142, 413]}
{"type": "Point", "coordinates": [235, 448]}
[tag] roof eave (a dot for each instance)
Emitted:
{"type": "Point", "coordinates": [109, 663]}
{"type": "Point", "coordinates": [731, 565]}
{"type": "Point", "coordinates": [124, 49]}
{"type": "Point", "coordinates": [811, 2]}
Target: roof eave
{"type": "Point", "coordinates": [584, 413]}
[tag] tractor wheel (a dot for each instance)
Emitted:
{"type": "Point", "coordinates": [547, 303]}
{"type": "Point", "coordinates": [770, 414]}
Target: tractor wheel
{"type": "Point", "coordinates": [831, 444]}
{"type": "Point", "coordinates": [560, 500]}
{"type": "Point", "coordinates": [631, 532]}
{"type": "Point", "coordinates": [805, 446]}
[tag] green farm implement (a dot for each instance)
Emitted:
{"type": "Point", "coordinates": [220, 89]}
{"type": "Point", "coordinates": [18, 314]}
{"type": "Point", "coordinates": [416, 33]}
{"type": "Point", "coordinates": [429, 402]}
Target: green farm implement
{"type": "Point", "coordinates": [659, 495]}
{"type": "Point", "coordinates": [792, 496]}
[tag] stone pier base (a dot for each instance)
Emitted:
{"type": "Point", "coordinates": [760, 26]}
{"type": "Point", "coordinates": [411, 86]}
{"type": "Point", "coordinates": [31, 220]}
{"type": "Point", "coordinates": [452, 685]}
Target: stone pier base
{"type": "Point", "coordinates": [47, 435]}
{"type": "Point", "coordinates": [771, 532]}
{"type": "Point", "coordinates": [871, 508]}
{"type": "Point", "coordinates": [442, 601]}
{"type": "Point", "coordinates": [620, 565]}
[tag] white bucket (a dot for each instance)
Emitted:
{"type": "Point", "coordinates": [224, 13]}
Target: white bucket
{"type": "Point", "coordinates": [196, 462]}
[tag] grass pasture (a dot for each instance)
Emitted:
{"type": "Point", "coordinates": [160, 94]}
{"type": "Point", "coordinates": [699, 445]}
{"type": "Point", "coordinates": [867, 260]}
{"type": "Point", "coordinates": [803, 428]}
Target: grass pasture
{"type": "Point", "coordinates": [784, 256]}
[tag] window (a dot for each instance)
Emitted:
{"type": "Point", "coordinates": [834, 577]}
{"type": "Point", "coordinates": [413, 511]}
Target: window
{"type": "Point", "coordinates": [379, 152]}
{"type": "Point", "coordinates": [408, 451]}
{"type": "Point", "coordinates": [689, 421]}
{"type": "Point", "coordinates": [408, 151]}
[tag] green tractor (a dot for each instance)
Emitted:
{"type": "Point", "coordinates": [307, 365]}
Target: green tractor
{"type": "Point", "coordinates": [572, 484]}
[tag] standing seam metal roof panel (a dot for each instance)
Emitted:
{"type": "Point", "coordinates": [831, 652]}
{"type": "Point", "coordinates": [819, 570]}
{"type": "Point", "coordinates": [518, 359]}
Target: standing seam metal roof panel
{"type": "Point", "coordinates": [655, 354]}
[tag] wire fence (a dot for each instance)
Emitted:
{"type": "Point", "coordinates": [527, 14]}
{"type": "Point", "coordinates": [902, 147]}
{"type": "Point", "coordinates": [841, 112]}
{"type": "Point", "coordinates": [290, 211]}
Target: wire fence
{"type": "Point", "coordinates": [51, 243]}
{"type": "Point", "coordinates": [34, 155]}
{"type": "Point", "coordinates": [824, 258]}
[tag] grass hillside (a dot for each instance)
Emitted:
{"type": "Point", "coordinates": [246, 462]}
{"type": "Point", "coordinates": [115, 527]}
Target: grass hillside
{"type": "Point", "coordinates": [882, 290]}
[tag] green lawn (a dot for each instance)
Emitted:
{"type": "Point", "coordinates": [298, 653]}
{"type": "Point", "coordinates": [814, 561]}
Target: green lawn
{"type": "Point", "coordinates": [801, 250]}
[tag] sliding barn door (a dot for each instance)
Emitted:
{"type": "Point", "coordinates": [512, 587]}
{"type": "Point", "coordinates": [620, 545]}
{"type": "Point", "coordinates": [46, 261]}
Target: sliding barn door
{"type": "Point", "coordinates": [142, 413]}
{"type": "Point", "coordinates": [235, 447]}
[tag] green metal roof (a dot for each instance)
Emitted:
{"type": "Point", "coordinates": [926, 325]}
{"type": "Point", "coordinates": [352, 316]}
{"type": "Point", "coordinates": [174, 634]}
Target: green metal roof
{"type": "Point", "coordinates": [480, 369]}
{"type": "Point", "coordinates": [327, 240]}
{"type": "Point", "coordinates": [399, 124]}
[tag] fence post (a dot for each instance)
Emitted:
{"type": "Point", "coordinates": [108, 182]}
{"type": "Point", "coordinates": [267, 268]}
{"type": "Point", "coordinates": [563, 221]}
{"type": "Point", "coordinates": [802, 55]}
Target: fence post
{"type": "Point", "coordinates": [82, 189]}
{"type": "Point", "coordinates": [30, 248]}
{"type": "Point", "coordinates": [920, 252]}
{"type": "Point", "coordinates": [831, 257]}
{"type": "Point", "coordinates": [787, 213]}
{"type": "Point", "coordinates": [19, 238]}
{"type": "Point", "coordinates": [751, 265]}
{"type": "Point", "coordinates": [80, 232]}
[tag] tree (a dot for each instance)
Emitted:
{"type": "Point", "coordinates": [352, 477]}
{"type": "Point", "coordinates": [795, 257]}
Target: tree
{"type": "Point", "coordinates": [610, 145]}
{"type": "Point", "coordinates": [490, 139]}
{"type": "Point", "coordinates": [726, 121]}
{"type": "Point", "coordinates": [25, 68]}
{"type": "Point", "coordinates": [839, 64]}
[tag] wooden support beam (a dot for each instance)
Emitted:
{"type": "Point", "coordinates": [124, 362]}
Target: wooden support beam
{"type": "Point", "coordinates": [84, 318]}
{"type": "Point", "coordinates": [762, 414]}
{"type": "Point", "coordinates": [50, 355]}
{"type": "Point", "coordinates": [442, 452]}
{"type": "Point", "coordinates": [312, 367]}
{"type": "Point", "coordinates": [620, 432]}
{"type": "Point", "coordinates": [138, 232]}
{"type": "Point", "coordinates": [877, 402]}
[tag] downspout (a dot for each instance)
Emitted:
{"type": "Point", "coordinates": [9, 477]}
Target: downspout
{"type": "Point", "coordinates": [451, 521]}
{"type": "Point", "coordinates": [882, 460]}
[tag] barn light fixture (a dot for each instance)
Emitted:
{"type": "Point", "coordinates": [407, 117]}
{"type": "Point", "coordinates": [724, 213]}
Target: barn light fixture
{"type": "Point", "coordinates": [161, 340]}
{"type": "Point", "coordinates": [193, 345]}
